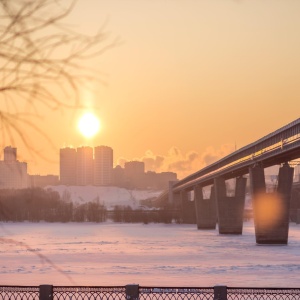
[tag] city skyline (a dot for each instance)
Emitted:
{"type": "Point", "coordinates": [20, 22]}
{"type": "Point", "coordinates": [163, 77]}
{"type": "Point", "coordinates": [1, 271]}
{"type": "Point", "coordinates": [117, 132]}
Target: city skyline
{"type": "Point", "coordinates": [179, 115]}
{"type": "Point", "coordinates": [83, 166]}
{"type": "Point", "coordinates": [189, 82]}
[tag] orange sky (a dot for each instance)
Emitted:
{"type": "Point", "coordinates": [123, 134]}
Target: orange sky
{"type": "Point", "coordinates": [191, 80]}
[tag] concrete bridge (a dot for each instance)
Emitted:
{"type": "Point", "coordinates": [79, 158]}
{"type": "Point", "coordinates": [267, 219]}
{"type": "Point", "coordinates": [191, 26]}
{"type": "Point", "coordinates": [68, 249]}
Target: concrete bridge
{"type": "Point", "coordinates": [271, 210]}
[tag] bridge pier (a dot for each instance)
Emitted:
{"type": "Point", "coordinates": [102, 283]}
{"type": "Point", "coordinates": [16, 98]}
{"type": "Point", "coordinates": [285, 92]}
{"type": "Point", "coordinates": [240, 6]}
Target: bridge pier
{"type": "Point", "coordinates": [230, 210]}
{"type": "Point", "coordinates": [206, 217]}
{"type": "Point", "coordinates": [171, 194]}
{"type": "Point", "coordinates": [184, 196]}
{"type": "Point", "coordinates": [188, 214]}
{"type": "Point", "coordinates": [271, 210]}
{"type": "Point", "coordinates": [176, 199]}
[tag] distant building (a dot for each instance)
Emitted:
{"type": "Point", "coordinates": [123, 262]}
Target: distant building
{"type": "Point", "coordinates": [43, 180]}
{"type": "Point", "coordinates": [164, 178]}
{"type": "Point", "coordinates": [118, 176]}
{"type": "Point", "coordinates": [84, 163]}
{"type": "Point", "coordinates": [151, 180]}
{"type": "Point", "coordinates": [159, 180]}
{"type": "Point", "coordinates": [10, 154]}
{"type": "Point", "coordinates": [13, 174]}
{"type": "Point", "coordinates": [88, 166]}
{"type": "Point", "coordinates": [134, 169]}
{"type": "Point", "coordinates": [68, 166]}
{"type": "Point", "coordinates": [103, 165]}
{"type": "Point", "coordinates": [134, 172]}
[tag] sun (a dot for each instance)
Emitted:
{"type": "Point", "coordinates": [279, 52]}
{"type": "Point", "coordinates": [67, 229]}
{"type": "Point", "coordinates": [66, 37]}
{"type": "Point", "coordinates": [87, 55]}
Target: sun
{"type": "Point", "coordinates": [88, 125]}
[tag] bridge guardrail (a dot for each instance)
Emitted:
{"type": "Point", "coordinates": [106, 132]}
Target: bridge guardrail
{"type": "Point", "coordinates": [280, 140]}
{"type": "Point", "coordinates": [136, 292]}
{"type": "Point", "coordinates": [236, 164]}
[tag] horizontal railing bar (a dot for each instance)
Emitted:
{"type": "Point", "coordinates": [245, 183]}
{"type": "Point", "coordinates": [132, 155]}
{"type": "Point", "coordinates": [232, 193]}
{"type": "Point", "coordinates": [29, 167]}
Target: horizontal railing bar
{"type": "Point", "coordinates": [148, 287]}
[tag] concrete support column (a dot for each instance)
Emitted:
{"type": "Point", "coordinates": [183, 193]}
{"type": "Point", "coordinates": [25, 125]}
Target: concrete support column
{"type": "Point", "coordinates": [205, 209]}
{"type": "Point", "coordinates": [188, 213]}
{"type": "Point", "coordinates": [171, 193]}
{"type": "Point", "coordinates": [230, 210]}
{"type": "Point", "coordinates": [184, 197]}
{"type": "Point", "coordinates": [176, 199]}
{"type": "Point", "coordinates": [271, 210]}
{"type": "Point", "coordinates": [298, 216]}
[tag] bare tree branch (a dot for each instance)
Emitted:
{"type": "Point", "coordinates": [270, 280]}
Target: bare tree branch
{"type": "Point", "coordinates": [40, 58]}
{"type": "Point", "coordinates": [42, 257]}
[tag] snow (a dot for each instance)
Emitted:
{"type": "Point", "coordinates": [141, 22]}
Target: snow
{"type": "Point", "coordinates": [109, 196]}
{"type": "Point", "coordinates": [150, 255]}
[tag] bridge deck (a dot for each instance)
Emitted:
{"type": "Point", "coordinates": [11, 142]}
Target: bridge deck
{"type": "Point", "coordinates": [280, 146]}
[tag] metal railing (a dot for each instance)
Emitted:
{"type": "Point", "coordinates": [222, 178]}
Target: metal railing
{"type": "Point", "coordinates": [19, 292]}
{"type": "Point", "coordinates": [171, 293]}
{"type": "Point", "coordinates": [136, 292]}
{"type": "Point", "coordinates": [263, 293]}
{"type": "Point", "coordinates": [89, 293]}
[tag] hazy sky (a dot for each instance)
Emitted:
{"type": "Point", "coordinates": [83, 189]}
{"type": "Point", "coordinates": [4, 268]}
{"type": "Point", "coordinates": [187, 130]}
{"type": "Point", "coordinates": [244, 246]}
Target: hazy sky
{"type": "Point", "coordinates": [190, 81]}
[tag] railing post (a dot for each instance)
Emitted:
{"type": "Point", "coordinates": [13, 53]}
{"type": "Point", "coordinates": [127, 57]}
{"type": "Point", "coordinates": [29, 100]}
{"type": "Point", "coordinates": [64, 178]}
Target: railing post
{"type": "Point", "coordinates": [132, 291]}
{"type": "Point", "coordinates": [46, 292]}
{"type": "Point", "coordinates": [220, 292]}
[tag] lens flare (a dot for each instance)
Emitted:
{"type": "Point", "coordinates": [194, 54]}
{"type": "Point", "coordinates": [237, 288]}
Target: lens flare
{"type": "Point", "coordinates": [268, 209]}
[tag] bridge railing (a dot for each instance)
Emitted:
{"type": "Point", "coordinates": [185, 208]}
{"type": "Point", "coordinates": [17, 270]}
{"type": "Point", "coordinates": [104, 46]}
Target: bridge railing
{"type": "Point", "coordinates": [280, 140]}
{"type": "Point", "coordinates": [136, 292]}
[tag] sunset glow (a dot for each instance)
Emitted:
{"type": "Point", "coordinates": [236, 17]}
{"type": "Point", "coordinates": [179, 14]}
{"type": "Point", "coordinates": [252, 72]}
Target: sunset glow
{"type": "Point", "coordinates": [201, 77]}
{"type": "Point", "coordinates": [89, 125]}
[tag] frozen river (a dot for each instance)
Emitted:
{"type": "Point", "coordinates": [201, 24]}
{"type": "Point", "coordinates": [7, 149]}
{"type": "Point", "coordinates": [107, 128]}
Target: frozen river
{"type": "Point", "coordinates": [150, 255]}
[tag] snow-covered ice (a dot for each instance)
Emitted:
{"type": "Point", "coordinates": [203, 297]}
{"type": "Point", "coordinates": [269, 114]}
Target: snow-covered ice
{"type": "Point", "coordinates": [150, 255]}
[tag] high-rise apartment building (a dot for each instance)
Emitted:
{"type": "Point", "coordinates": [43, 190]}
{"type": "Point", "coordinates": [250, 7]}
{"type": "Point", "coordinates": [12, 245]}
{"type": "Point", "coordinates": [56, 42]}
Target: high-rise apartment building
{"type": "Point", "coordinates": [118, 178]}
{"type": "Point", "coordinates": [85, 164]}
{"type": "Point", "coordinates": [13, 174]}
{"type": "Point", "coordinates": [67, 166]}
{"type": "Point", "coordinates": [103, 165]}
{"type": "Point", "coordinates": [83, 167]}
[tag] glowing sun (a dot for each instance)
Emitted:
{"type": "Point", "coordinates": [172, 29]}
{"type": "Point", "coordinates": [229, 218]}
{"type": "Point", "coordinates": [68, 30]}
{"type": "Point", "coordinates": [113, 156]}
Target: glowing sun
{"type": "Point", "coordinates": [89, 125]}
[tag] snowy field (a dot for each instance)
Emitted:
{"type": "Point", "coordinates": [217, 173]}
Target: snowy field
{"type": "Point", "coordinates": [150, 255]}
{"type": "Point", "coordinates": [108, 196]}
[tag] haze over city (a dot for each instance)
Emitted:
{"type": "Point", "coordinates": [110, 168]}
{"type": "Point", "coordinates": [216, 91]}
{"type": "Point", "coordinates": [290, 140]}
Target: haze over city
{"type": "Point", "coordinates": [112, 115]}
{"type": "Point", "coordinates": [186, 82]}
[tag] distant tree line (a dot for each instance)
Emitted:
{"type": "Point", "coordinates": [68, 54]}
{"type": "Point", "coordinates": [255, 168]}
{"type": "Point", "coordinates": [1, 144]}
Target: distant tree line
{"type": "Point", "coordinates": [37, 204]}
{"type": "Point", "coordinates": [127, 215]}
